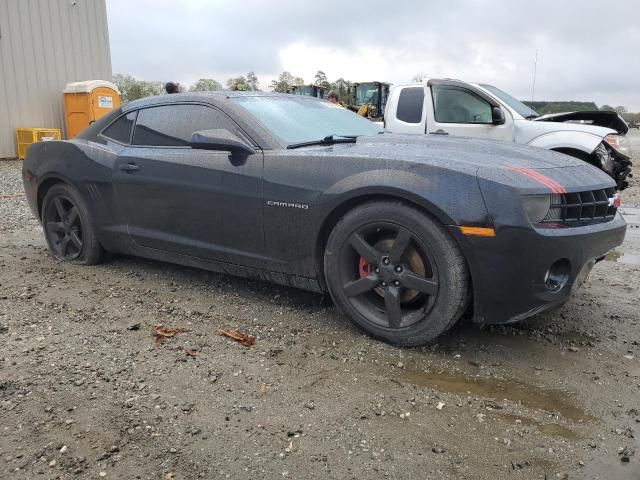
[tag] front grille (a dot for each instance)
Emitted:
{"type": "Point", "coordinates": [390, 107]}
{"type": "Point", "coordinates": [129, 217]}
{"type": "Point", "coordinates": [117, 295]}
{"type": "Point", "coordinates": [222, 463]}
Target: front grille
{"type": "Point", "coordinates": [582, 207]}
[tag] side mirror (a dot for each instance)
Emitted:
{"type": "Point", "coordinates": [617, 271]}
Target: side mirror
{"type": "Point", "coordinates": [497, 116]}
{"type": "Point", "coordinates": [219, 139]}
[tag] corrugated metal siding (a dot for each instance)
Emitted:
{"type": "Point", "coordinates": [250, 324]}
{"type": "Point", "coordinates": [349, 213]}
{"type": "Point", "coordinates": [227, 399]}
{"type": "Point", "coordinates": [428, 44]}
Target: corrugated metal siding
{"type": "Point", "coordinates": [45, 44]}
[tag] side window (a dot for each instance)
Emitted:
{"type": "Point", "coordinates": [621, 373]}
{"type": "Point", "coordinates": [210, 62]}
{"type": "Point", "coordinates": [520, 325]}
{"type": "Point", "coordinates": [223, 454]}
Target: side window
{"type": "Point", "coordinates": [172, 125]}
{"type": "Point", "coordinates": [410, 104]}
{"type": "Point", "coordinates": [457, 105]}
{"type": "Point", "coordinates": [120, 130]}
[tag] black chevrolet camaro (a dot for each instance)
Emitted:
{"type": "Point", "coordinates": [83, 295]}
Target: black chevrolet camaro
{"type": "Point", "coordinates": [405, 232]}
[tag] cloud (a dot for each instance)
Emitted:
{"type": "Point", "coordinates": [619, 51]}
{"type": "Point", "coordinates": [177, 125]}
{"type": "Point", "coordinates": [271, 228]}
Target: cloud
{"type": "Point", "coordinates": [586, 51]}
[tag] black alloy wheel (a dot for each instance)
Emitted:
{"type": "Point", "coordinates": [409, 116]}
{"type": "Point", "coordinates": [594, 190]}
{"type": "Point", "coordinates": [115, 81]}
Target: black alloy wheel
{"type": "Point", "coordinates": [63, 228]}
{"type": "Point", "coordinates": [69, 228]}
{"type": "Point", "coordinates": [396, 273]}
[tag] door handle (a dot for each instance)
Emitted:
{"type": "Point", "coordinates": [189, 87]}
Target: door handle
{"type": "Point", "coordinates": [439, 132]}
{"type": "Point", "coordinates": [129, 167]}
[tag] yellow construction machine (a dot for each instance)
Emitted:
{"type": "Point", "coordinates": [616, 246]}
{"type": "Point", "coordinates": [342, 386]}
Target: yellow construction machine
{"type": "Point", "coordinates": [368, 99]}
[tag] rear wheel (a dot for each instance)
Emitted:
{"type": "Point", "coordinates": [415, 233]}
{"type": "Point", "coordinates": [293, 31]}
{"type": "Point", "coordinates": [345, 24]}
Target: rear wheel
{"type": "Point", "coordinates": [68, 227]}
{"type": "Point", "coordinates": [396, 273]}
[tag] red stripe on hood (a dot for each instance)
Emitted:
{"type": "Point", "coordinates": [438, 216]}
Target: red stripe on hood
{"type": "Point", "coordinates": [554, 186]}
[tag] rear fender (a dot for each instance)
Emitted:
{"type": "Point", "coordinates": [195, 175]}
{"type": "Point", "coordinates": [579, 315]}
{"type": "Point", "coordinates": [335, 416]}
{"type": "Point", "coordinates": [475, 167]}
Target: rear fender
{"type": "Point", "coordinates": [86, 166]}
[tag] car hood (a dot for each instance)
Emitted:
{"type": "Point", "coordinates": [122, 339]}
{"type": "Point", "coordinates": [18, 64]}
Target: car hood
{"type": "Point", "coordinates": [596, 118]}
{"type": "Point", "coordinates": [458, 152]}
{"type": "Point", "coordinates": [501, 162]}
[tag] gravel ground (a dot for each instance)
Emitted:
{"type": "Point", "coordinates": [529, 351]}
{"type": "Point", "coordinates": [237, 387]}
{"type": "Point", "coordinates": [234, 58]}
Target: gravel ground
{"type": "Point", "coordinates": [86, 391]}
{"type": "Point", "coordinates": [631, 196]}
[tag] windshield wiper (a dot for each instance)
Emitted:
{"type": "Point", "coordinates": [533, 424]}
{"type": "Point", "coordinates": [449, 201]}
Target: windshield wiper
{"type": "Point", "coordinates": [328, 140]}
{"type": "Point", "coordinates": [531, 117]}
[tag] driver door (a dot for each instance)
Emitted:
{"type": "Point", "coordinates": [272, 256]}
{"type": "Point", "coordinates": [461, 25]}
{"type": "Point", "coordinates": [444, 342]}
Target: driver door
{"type": "Point", "coordinates": [459, 111]}
{"type": "Point", "coordinates": [201, 203]}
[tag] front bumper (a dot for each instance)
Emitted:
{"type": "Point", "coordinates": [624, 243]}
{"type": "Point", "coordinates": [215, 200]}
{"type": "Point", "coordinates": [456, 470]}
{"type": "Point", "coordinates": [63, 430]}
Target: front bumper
{"type": "Point", "coordinates": [508, 270]}
{"type": "Point", "coordinates": [617, 165]}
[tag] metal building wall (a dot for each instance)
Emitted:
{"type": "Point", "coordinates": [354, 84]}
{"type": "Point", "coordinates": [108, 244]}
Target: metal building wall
{"type": "Point", "coordinates": [45, 44]}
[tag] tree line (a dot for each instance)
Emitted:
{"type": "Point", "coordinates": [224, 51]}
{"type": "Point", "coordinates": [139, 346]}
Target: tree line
{"type": "Point", "coordinates": [131, 88]}
{"type": "Point", "coordinates": [544, 108]}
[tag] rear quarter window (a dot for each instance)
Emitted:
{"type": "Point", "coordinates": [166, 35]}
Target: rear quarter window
{"type": "Point", "coordinates": [410, 104]}
{"type": "Point", "coordinates": [120, 130]}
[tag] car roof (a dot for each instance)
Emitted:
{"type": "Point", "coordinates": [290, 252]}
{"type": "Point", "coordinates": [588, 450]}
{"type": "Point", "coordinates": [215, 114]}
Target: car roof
{"type": "Point", "coordinates": [213, 97]}
{"type": "Point", "coordinates": [220, 99]}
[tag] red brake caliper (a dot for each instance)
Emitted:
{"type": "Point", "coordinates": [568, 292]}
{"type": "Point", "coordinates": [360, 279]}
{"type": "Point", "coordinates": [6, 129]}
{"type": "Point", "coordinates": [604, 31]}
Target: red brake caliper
{"type": "Point", "coordinates": [364, 267]}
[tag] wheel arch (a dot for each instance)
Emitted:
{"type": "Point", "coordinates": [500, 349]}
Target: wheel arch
{"type": "Point", "coordinates": [44, 187]}
{"type": "Point", "coordinates": [585, 142]}
{"type": "Point", "coordinates": [346, 205]}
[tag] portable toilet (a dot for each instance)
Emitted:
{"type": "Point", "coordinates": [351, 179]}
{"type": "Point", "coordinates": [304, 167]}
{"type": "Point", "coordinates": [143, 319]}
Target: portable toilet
{"type": "Point", "coordinates": [85, 102]}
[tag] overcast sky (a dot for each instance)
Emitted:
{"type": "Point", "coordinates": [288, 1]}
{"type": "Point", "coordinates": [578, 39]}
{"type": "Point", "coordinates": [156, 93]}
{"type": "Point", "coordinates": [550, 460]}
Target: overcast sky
{"type": "Point", "coordinates": [587, 49]}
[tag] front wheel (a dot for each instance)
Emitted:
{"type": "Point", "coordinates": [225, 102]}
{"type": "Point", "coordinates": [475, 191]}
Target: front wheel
{"type": "Point", "coordinates": [396, 273]}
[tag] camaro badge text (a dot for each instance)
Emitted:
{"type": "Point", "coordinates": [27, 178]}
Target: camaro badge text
{"type": "Point", "coordinates": [273, 203]}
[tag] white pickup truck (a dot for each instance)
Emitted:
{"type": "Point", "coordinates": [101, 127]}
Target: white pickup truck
{"type": "Point", "coordinates": [453, 107]}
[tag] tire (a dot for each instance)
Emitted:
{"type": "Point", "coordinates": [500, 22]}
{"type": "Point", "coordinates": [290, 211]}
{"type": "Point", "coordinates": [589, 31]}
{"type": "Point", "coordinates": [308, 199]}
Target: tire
{"type": "Point", "coordinates": [396, 273]}
{"type": "Point", "coordinates": [68, 227]}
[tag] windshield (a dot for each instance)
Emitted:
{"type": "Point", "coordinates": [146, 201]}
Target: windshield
{"type": "Point", "coordinates": [303, 90]}
{"type": "Point", "coordinates": [296, 119]}
{"type": "Point", "coordinates": [514, 103]}
{"type": "Point", "coordinates": [309, 91]}
{"type": "Point", "coordinates": [366, 93]}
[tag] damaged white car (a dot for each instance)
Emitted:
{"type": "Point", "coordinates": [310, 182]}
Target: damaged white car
{"type": "Point", "coordinates": [453, 107]}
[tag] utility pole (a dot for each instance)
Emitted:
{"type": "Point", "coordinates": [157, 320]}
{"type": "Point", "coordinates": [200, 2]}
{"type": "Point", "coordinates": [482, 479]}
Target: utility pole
{"type": "Point", "coordinates": [535, 66]}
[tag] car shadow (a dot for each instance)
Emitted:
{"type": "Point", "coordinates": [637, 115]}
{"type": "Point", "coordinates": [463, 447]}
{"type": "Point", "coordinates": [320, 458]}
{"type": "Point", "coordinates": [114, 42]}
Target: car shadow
{"type": "Point", "coordinates": [191, 277]}
{"type": "Point", "coordinates": [465, 333]}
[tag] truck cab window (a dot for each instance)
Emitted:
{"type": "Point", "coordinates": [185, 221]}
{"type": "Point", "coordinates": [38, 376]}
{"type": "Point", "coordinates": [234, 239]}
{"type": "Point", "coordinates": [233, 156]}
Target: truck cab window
{"type": "Point", "coordinates": [410, 104]}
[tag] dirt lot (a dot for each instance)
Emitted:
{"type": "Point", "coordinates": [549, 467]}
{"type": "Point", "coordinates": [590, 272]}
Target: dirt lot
{"type": "Point", "coordinates": [85, 391]}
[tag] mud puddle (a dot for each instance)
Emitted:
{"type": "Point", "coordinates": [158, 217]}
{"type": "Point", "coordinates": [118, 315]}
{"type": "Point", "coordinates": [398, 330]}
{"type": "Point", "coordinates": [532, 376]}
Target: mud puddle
{"type": "Point", "coordinates": [539, 398]}
{"type": "Point", "coordinates": [551, 429]}
{"type": "Point", "coordinates": [629, 252]}
{"type": "Point", "coordinates": [623, 257]}
{"type": "Point", "coordinates": [631, 215]}
{"type": "Point", "coordinates": [610, 467]}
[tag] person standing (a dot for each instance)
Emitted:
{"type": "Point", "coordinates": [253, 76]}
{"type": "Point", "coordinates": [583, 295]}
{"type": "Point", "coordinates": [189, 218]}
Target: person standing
{"type": "Point", "coordinates": [333, 97]}
{"type": "Point", "coordinates": [172, 87]}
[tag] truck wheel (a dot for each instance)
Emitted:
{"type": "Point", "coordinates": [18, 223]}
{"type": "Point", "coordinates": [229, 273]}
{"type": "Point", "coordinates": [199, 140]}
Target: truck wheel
{"type": "Point", "coordinates": [396, 273]}
{"type": "Point", "coordinates": [68, 227]}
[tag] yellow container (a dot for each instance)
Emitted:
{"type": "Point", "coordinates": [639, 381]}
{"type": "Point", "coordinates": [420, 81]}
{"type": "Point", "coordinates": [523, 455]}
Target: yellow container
{"type": "Point", "coordinates": [27, 136]}
{"type": "Point", "coordinates": [86, 102]}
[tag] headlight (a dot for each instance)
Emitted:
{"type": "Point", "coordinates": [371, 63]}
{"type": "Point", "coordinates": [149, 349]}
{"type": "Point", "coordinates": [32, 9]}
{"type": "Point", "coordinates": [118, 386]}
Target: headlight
{"type": "Point", "coordinates": [537, 207]}
{"type": "Point", "coordinates": [619, 143]}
